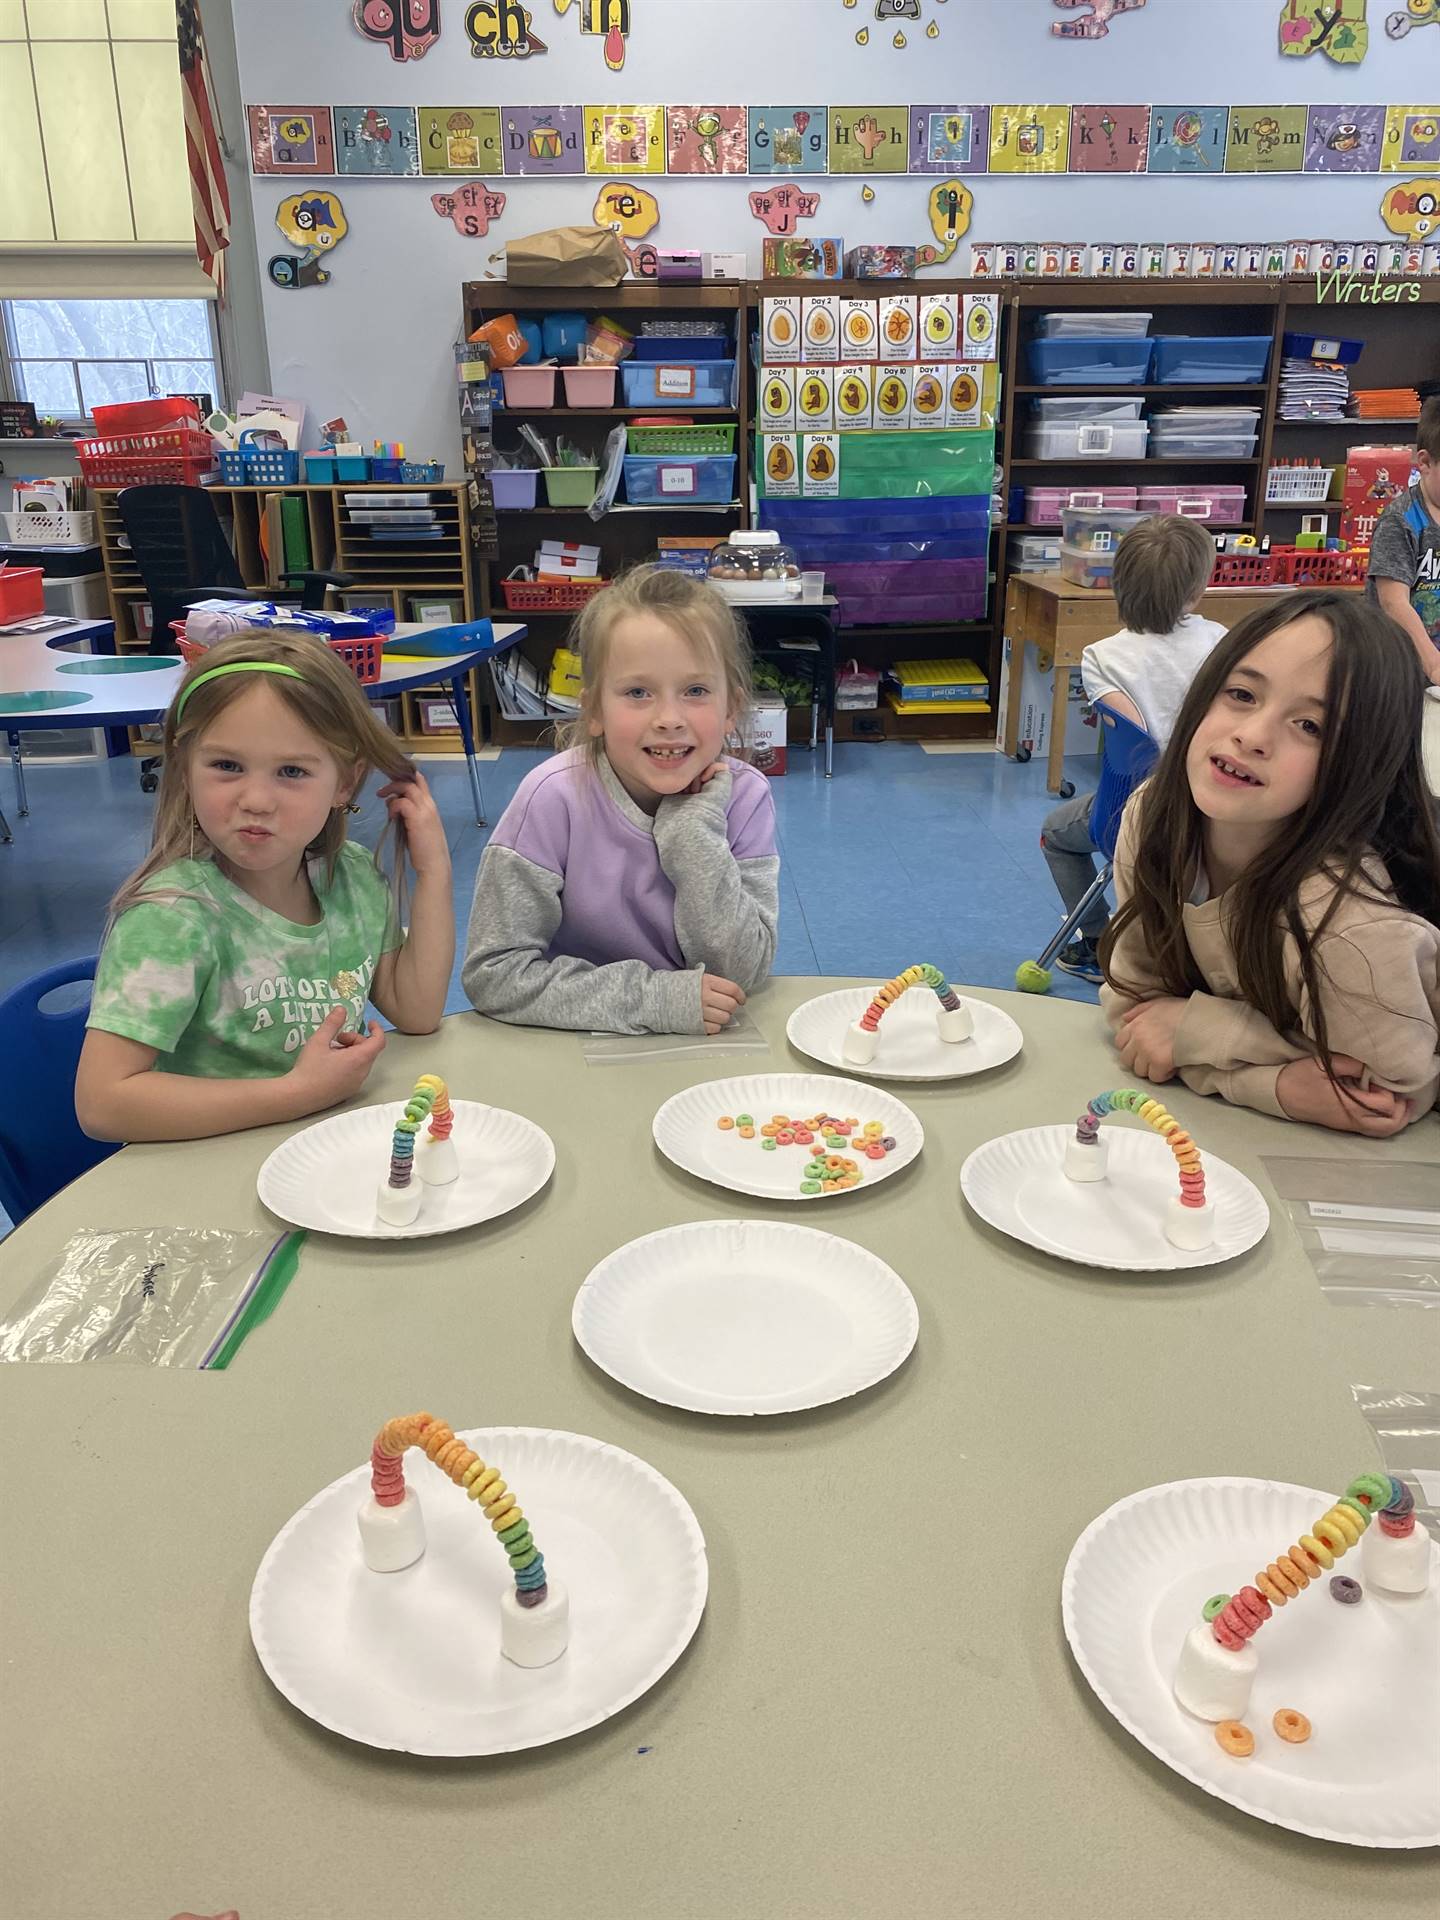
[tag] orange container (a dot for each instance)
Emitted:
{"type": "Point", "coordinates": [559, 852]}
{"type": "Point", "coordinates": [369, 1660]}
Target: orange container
{"type": "Point", "coordinates": [22, 593]}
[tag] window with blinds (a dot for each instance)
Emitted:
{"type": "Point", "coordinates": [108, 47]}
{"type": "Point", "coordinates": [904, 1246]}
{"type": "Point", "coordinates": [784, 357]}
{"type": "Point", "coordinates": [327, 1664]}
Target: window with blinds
{"type": "Point", "coordinates": [92, 126]}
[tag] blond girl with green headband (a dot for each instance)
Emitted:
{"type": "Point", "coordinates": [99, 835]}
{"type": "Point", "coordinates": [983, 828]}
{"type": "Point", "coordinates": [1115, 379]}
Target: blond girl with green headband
{"type": "Point", "coordinates": [240, 954]}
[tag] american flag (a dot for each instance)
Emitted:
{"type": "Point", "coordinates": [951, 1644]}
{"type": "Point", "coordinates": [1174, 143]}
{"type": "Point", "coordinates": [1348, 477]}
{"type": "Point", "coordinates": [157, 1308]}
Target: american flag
{"type": "Point", "coordinates": [209, 194]}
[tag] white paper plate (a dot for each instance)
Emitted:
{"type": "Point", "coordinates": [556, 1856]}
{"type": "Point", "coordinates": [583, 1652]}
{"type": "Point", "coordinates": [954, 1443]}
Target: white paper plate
{"type": "Point", "coordinates": [326, 1178]}
{"type": "Point", "coordinates": [1365, 1676]}
{"type": "Point", "coordinates": [745, 1316]}
{"type": "Point", "coordinates": [910, 1047]}
{"type": "Point", "coordinates": [686, 1132]}
{"type": "Point", "coordinates": [1017, 1183]}
{"type": "Point", "coordinates": [412, 1660]}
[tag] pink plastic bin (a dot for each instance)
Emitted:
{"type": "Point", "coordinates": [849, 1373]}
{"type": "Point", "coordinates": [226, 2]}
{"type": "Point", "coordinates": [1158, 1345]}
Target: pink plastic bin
{"type": "Point", "coordinates": [1043, 504]}
{"type": "Point", "coordinates": [529, 386]}
{"type": "Point", "coordinates": [589, 386]}
{"type": "Point", "coordinates": [1216, 506]}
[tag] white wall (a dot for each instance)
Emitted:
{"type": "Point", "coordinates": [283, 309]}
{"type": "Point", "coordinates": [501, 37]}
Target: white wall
{"type": "Point", "coordinates": [375, 344]}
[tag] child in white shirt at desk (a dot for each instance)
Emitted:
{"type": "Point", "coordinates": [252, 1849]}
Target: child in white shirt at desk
{"type": "Point", "coordinates": [1162, 569]}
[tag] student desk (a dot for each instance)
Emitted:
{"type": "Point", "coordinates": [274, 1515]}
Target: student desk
{"type": "Point", "coordinates": [1059, 620]}
{"type": "Point", "coordinates": [878, 1714]}
{"type": "Point", "coordinates": [42, 685]}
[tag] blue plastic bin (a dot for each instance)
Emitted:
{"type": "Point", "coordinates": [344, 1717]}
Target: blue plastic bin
{"type": "Point", "coordinates": [1237, 359]}
{"type": "Point", "coordinates": [697, 480]}
{"type": "Point", "coordinates": [1089, 363]}
{"type": "Point", "coordinates": [649, 346]}
{"type": "Point", "coordinates": [655, 383]}
{"type": "Point", "coordinates": [390, 471]}
{"type": "Point", "coordinates": [1322, 346]}
{"type": "Point", "coordinates": [329, 469]}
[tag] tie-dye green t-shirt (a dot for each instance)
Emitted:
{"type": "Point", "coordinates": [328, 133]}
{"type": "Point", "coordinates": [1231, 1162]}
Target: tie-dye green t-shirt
{"type": "Point", "coordinates": [226, 989]}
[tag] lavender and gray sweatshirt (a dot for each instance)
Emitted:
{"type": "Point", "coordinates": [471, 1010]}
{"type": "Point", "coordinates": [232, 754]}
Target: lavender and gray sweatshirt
{"type": "Point", "coordinates": [591, 914]}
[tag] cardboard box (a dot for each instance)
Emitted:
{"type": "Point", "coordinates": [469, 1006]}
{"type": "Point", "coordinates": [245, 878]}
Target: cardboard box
{"type": "Point", "coordinates": [1374, 476]}
{"type": "Point", "coordinates": [859, 329]}
{"type": "Point", "coordinates": [928, 391]}
{"type": "Point", "coordinates": [939, 336]}
{"type": "Point", "coordinates": [892, 396]}
{"type": "Point", "coordinates": [820, 327]}
{"type": "Point", "coordinates": [899, 318]}
{"type": "Point", "coordinates": [820, 466]}
{"type": "Point", "coordinates": [880, 263]}
{"type": "Point", "coordinates": [854, 390]}
{"type": "Point", "coordinates": [780, 329]}
{"type": "Point", "coordinates": [765, 736]}
{"type": "Point", "coordinates": [798, 257]}
{"type": "Point", "coordinates": [782, 466]}
{"type": "Point", "coordinates": [815, 399]}
{"type": "Point", "coordinates": [776, 402]}
{"type": "Point", "coordinates": [1082, 730]}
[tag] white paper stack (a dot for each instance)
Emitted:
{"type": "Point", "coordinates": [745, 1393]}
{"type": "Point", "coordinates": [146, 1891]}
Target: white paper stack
{"type": "Point", "coordinates": [1313, 390]}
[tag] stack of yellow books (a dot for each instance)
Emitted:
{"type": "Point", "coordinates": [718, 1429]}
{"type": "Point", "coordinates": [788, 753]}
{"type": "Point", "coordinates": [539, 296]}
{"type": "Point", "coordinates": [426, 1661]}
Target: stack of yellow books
{"type": "Point", "coordinates": [937, 686]}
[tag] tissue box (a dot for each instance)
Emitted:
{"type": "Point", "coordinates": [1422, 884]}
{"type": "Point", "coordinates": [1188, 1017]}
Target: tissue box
{"type": "Point", "coordinates": [795, 258]}
{"type": "Point", "coordinates": [880, 263]}
{"type": "Point", "coordinates": [765, 735]}
{"type": "Point", "coordinates": [678, 263]}
{"type": "Point", "coordinates": [724, 266]}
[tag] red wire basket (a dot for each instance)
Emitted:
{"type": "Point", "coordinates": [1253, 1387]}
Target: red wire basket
{"type": "Point", "coordinates": [1305, 568]}
{"type": "Point", "coordinates": [549, 596]}
{"type": "Point", "coordinates": [364, 657]}
{"type": "Point", "coordinates": [131, 459]}
{"type": "Point", "coordinates": [1247, 570]}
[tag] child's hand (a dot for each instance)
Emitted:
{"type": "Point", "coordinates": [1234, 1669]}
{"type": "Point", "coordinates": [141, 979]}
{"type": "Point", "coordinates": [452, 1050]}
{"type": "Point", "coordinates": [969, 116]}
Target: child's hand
{"type": "Point", "coordinates": [412, 802]}
{"type": "Point", "coordinates": [720, 1001]}
{"type": "Point", "coordinates": [334, 1065]}
{"type": "Point", "coordinates": [702, 780]}
{"type": "Point", "coordinates": [1146, 1038]}
{"type": "Point", "coordinates": [1305, 1092]}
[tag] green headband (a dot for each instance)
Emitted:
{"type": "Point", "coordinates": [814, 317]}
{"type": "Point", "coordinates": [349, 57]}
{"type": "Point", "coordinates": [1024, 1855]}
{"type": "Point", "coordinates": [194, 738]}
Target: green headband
{"type": "Point", "coordinates": [235, 666]}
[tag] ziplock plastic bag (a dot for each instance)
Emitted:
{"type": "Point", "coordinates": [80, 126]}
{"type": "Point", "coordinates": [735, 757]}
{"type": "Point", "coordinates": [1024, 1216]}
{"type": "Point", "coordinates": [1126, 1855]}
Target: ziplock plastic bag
{"type": "Point", "coordinates": [1372, 1233]}
{"type": "Point", "coordinates": [1407, 1427]}
{"type": "Point", "coordinates": [617, 1049]}
{"type": "Point", "coordinates": [172, 1297]}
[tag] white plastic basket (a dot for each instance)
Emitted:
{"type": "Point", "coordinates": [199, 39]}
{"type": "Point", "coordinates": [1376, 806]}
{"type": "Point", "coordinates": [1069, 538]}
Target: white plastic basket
{"type": "Point", "coordinates": [49, 529]}
{"type": "Point", "coordinates": [1308, 485]}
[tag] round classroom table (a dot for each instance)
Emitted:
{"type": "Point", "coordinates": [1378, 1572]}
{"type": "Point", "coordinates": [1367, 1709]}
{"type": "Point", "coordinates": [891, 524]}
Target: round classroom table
{"type": "Point", "coordinates": [878, 1713]}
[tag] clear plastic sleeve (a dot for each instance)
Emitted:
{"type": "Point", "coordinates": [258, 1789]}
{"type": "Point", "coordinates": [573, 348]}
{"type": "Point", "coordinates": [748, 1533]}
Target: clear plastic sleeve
{"type": "Point", "coordinates": [1407, 1427]}
{"type": "Point", "coordinates": [1371, 1233]}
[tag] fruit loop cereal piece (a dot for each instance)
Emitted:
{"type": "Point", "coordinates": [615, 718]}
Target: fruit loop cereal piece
{"type": "Point", "coordinates": [1347, 1591]}
{"type": "Point", "coordinates": [1235, 1739]}
{"type": "Point", "coordinates": [924, 975]}
{"type": "Point", "coordinates": [1129, 1100]}
{"type": "Point", "coordinates": [1397, 1519]}
{"type": "Point", "coordinates": [442, 1114]}
{"type": "Point", "coordinates": [430, 1101]}
{"type": "Point", "coordinates": [1291, 1726]}
{"type": "Point", "coordinates": [725, 1123]}
{"type": "Point", "coordinates": [467, 1470]}
{"type": "Point", "coordinates": [1292, 1571]}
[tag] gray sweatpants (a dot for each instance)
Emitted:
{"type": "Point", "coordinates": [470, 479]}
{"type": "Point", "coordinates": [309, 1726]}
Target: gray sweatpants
{"type": "Point", "coordinates": [1070, 856]}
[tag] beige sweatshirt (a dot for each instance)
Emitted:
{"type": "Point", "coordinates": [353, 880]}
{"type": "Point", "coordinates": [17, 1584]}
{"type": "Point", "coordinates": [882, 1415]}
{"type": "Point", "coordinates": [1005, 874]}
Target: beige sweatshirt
{"type": "Point", "coordinates": [1380, 973]}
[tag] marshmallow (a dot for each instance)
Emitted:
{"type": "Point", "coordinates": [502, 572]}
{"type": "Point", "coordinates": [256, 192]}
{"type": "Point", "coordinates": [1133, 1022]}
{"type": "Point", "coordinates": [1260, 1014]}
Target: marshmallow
{"type": "Point", "coordinates": [398, 1206]}
{"type": "Point", "coordinates": [437, 1162]}
{"type": "Point", "coordinates": [1212, 1682]}
{"type": "Point", "coordinates": [391, 1537]}
{"type": "Point", "coordinates": [1084, 1161]}
{"type": "Point", "coordinates": [955, 1023]}
{"type": "Point", "coordinates": [860, 1045]}
{"type": "Point", "coordinates": [1399, 1566]}
{"type": "Point", "coordinates": [534, 1636]}
{"type": "Point", "coordinates": [1191, 1229]}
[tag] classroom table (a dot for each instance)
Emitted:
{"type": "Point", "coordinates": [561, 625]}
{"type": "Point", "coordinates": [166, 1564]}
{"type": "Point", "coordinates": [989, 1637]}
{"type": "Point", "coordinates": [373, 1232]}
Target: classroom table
{"type": "Point", "coordinates": [805, 628]}
{"type": "Point", "coordinates": [124, 692]}
{"type": "Point", "coordinates": [1059, 620]}
{"type": "Point", "coordinates": [878, 1714]}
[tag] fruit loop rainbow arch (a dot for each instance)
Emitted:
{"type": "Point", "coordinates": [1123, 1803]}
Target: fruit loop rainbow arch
{"type": "Point", "coordinates": [1233, 1620]}
{"type": "Point", "coordinates": [1131, 1100]}
{"type": "Point", "coordinates": [467, 1470]}
{"type": "Point", "coordinates": [430, 1101]}
{"type": "Point", "coordinates": [924, 975]}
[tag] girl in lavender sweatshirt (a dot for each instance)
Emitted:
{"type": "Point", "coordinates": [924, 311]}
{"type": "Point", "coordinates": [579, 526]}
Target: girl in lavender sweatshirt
{"type": "Point", "coordinates": [632, 885]}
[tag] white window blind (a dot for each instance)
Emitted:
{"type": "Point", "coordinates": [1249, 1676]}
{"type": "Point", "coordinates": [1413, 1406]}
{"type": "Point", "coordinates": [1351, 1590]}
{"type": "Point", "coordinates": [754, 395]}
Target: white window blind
{"type": "Point", "coordinates": [94, 151]}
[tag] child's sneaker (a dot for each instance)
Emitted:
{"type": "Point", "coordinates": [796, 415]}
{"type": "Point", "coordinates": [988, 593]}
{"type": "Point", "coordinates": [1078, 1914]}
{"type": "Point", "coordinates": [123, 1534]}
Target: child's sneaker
{"type": "Point", "coordinates": [1081, 958]}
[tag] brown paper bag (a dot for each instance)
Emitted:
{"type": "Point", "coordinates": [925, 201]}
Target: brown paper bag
{"type": "Point", "coordinates": [566, 257]}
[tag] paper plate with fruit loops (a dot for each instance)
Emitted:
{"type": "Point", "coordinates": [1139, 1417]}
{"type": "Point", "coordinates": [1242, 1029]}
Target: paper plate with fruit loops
{"type": "Point", "coordinates": [788, 1136]}
{"type": "Point", "coordinates": [1364, 1675]}
{"type": "Point", "coordinates": [909, 1042]}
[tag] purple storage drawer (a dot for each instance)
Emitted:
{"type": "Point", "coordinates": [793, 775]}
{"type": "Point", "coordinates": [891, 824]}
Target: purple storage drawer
{"type": "Point", "coordinates": [909, 591]}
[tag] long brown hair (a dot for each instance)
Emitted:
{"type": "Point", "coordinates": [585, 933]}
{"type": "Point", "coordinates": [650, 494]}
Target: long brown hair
{"type": "Point", "coordinates": [326, 698]}
{"type": "Point", "coordinates": [690, 607]}
{"type": "Point", "coordinates": [1369, 798]}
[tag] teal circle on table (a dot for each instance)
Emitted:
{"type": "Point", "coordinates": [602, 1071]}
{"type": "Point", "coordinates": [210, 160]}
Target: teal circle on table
{"type": "Point", "coordinates": [122, 663]}
{"type": "Point", "coordinates": [41, 702]}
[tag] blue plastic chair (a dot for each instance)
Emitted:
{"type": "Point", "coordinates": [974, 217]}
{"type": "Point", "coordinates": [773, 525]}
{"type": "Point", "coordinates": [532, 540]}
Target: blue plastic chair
{"type": "Point", "coordinates": [41, 1146]}
{"type": "Point", "coordinates": [1130, 753]}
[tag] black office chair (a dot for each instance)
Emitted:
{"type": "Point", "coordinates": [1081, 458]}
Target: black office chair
{"type": "Point", "coordinates": [181, 553]}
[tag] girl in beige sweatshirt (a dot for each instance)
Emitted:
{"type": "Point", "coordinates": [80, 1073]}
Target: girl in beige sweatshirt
{"type": "Point", "coordinates": [1277, 939]}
